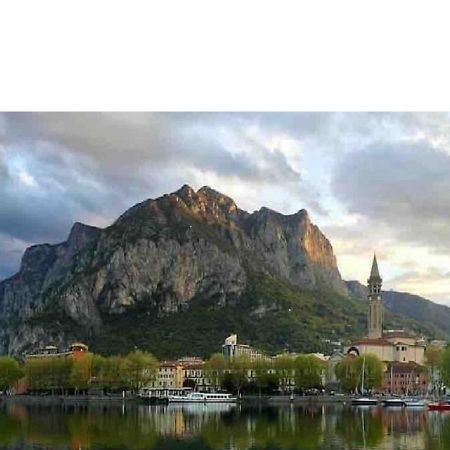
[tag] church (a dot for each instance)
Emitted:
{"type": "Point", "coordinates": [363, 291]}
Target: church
{"type": "Point", "coordinates": [391, 346]}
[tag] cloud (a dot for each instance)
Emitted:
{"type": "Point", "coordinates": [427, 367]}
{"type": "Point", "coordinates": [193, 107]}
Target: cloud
{"type": "Point", "coordinates": [124, 145]}
{"type": "Point", "coordinates": [432, 282]}
{"type": "Point", "coordinates": [404, 186]}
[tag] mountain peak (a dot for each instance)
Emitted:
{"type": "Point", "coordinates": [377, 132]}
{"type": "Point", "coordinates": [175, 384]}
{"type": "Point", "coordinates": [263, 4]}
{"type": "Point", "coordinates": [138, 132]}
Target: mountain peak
{"type": "Point", "coordinates": [216, 196]}
{"type": "Point", "coordinates": [185, 191]}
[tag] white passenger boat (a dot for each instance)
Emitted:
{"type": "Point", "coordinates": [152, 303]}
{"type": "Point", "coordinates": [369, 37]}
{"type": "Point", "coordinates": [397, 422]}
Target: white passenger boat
{"type": "Point", "coordinates": [202, 397]}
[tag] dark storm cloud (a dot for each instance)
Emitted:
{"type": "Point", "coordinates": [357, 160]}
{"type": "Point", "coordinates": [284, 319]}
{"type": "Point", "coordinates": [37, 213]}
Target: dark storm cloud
{"type": "Point", "coordinates": [405, 186]}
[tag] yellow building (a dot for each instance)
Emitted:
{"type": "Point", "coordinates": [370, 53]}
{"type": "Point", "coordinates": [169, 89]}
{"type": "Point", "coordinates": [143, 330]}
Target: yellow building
{"type": "Point", "coordinates": [170, 375]}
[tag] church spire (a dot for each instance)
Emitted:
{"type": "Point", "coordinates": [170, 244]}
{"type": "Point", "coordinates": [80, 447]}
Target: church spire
{"type": "Point", "coordinates": [374, 273]}
{"type": "Point", "coordinates": [375, 316]}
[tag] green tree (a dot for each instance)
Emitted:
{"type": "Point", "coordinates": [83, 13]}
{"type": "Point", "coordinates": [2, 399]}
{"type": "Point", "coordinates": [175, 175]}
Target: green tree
{"type": "Point", "coordinates": [308, 372]}
{"type": "Point", "coordinates": [140, 369]}
{"type": "Point", "coordinates": [433, 357]}
{"type": "Point", "coordinates": [261, 370]}
{"type": "Point", "coordinates": [350, 372]}
{"type": "Point", "coordinates": [36, 373]}
{"type": "Point", "coordinates": [238, 368]}
{"type": "Point", "coordinates": [373, 370]}
{"type": "Point", "coordinates": [10, 372]}
{"type": "Point", "coordinates": [115, 373]}
{"type": "Point", "coordinates": [266, 378]}
{"type": "Point", "coordinates": [215, 369]}
{"type": "Point", "coordinates": [284, 369]}
{"type": "Point", "coordinates": [80, 377]}
{"type": "Point", "coordinates": [444, 366]}
{"type": "Point", "coordinates": [49, 373]}
{"type": "Point", "coordinates": [98, 371]}
{"type": "Point", "coordinates": [347, 374]}
{"type": "Point", "coordinates": [60, 373]}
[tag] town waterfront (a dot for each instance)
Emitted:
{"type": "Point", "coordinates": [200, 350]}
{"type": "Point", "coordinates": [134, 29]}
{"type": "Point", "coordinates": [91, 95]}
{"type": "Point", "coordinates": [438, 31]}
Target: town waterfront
{"type": "Point", "coordinates": [220, 426]}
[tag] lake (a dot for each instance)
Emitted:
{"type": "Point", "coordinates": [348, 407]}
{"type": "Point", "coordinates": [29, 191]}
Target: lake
{"type": "Point", "coordinates": [206, 427]}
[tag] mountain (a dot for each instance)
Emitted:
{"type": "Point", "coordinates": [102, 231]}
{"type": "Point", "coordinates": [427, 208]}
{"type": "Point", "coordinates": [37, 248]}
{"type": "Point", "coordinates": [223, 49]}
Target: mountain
{"type": "Point", "coordinates": [175, 275]}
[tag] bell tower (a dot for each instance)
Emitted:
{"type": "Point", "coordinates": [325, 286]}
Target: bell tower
{"type": "Point", "coordinates": [375, 316]}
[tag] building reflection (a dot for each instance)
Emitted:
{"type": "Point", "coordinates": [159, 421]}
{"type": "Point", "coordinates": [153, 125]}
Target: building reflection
{"type": "Point", "coordinates": [236, 427]}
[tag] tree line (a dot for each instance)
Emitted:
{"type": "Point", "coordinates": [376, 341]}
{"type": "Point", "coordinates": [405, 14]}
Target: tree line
{"type": "Point", "coordinates": [241, 375]}
{"type": "Point", "coordinates": [238, 375]}
{"type": "Point", "coordinates": [65, 374]}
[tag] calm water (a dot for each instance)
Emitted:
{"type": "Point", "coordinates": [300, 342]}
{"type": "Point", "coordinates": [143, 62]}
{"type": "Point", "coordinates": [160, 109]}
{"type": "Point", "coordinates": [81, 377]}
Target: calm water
{"type": "Point", "coordinates": [201, 427]}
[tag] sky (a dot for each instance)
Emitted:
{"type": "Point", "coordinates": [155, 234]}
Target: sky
{"type": "Point", "coordinates": [372, 182]}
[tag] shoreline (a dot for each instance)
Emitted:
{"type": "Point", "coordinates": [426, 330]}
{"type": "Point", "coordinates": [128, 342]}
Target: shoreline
{"type": "Point", "coordinates": [93, 399]}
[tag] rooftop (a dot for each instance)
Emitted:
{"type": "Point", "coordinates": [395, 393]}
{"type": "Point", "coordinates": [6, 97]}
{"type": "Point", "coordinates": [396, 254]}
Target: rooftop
{"type": "Point", "coordinates": [374, 341]}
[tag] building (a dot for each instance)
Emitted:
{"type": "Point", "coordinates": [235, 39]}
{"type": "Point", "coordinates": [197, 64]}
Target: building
{"type": "Point", "coordinates": [170, 375]}
{"type": "Point", "coordinates": [76, 350]}
{"type": "Point", "coordinates": [391, 346]}
{"type": "Point", "coordinates": [402, 352]}
{"type": "Point", "coordinates": [194, 374]}
{"type": "Point", "coordinates": [175, 374]}
{"type": "Point", "coordinates": [405, 378]}
{"type": "Point", "coordinates": [231, 349]}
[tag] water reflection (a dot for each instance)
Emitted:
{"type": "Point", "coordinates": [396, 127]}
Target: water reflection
{"type": "Point", "coordinates": [203, 427]}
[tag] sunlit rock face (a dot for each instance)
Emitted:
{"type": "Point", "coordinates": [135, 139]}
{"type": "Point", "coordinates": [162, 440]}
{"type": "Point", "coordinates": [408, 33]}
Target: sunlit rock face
{"type": "Point", "coordinates": [165, 252]}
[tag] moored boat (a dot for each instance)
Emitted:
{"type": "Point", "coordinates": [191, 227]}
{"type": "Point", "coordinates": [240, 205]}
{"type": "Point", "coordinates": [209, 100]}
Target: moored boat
{"type": "Point", "coordinates": [202, 397]}
{"type": "Point", "coordinates": [398, 402]}
{"type": "Point", "coordinates": [439, 406]}
{"type": "Point", "coordinates": [364, 401]}
{"type": "Point", "coordinates": [414, 402]}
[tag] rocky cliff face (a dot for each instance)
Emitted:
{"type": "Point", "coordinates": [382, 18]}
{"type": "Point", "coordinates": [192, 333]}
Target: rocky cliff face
{"type": "Point", "coordinates": [165, 253]}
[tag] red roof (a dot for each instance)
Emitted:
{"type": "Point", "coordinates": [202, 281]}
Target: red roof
{"type": "Point", "coordinates": [169, 364]}
{"type": "Point", "coordinates": [376, 341]}
{"type": "Point", "coordinates": [193, 366]}
{"type": "Point", "coordinates": [403, 367]}
{"type": "Point", "coordinates": [398, 333]}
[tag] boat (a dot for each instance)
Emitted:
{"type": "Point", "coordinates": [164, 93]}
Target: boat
{"type": "Point", "coordinates": [202, 397]}
{"type": "Point", "coordinates": [439, 406]}
{"type": "Point", "coordinates": [398, 402]}
{"type": "Point", "coordinates": [160, 396]}
{"type": "Point", "coordinates": [364, 401]}
{"type": "Point", "coordinates": [414, 402]}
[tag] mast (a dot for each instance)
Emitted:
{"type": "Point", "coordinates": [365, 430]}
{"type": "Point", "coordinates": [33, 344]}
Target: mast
{"type": "Point", "coordinates": [392, 375]}
{"type": "Point", "coordinates": [362, 377]}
